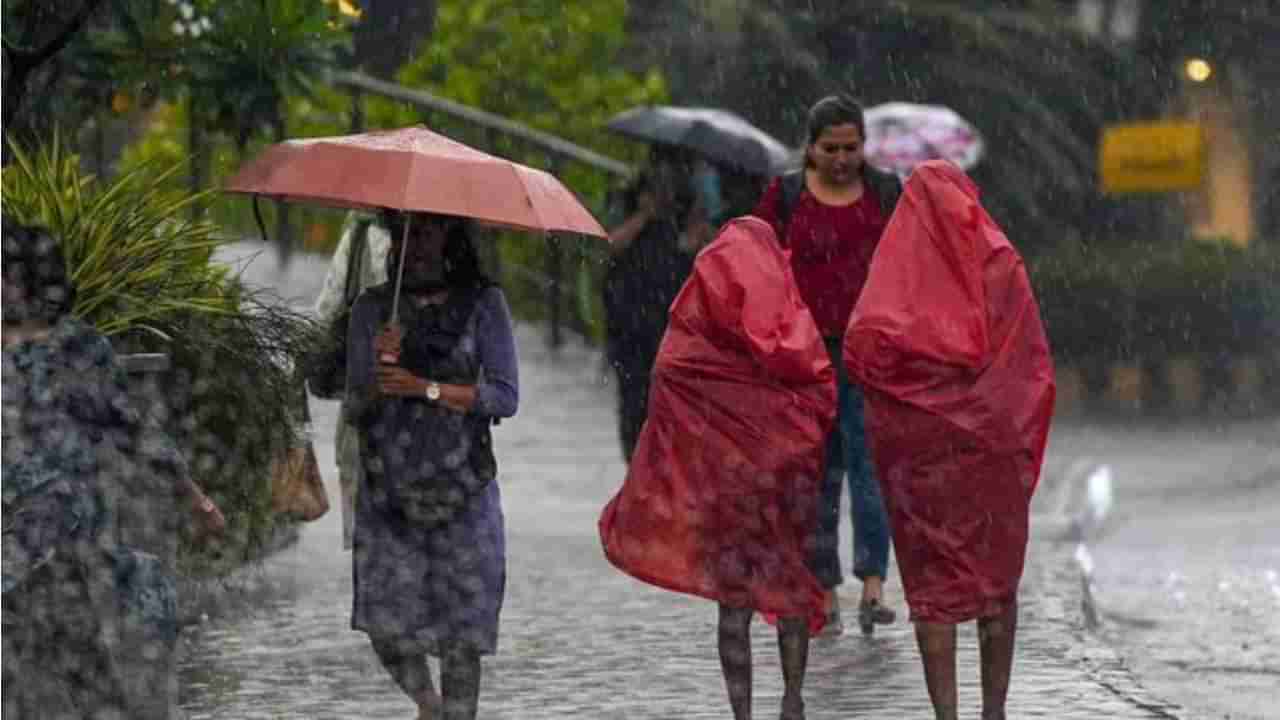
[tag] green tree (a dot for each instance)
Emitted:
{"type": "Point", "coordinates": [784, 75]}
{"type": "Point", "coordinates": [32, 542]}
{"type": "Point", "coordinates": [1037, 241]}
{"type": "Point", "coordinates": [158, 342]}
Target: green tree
{"type": "Point", "coordinates": [236, 60]}
{"type": "Point", "coordinates": [231, 66]}
{"type": "Point", "coordinates": [549, 64]}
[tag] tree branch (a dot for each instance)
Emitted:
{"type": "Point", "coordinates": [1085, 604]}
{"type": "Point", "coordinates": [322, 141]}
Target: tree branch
{"type": "Point", "coordinates": [22, 62]}
{"type": "Point", "coordinates": [34, 58]}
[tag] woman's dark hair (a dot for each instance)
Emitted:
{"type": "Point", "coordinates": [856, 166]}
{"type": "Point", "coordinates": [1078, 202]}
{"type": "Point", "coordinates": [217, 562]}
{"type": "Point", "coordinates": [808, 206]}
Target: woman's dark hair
{"type": "Point", "coordinates": [835, 110]}
{"type": "Point", "coordinates": [37, 286]}
{"type": "Point", "coordinates": [641, 184]}
{"type": "Point", "coordinates": [461, 261]}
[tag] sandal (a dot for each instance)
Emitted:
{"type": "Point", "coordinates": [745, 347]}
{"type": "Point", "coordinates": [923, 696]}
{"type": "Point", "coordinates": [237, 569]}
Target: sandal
{"type": "Point", "coordinates": [872, 613]}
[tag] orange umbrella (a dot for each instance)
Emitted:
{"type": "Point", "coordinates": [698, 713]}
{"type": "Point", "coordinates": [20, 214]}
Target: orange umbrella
{"type": "Point", "coordinates": [415, 169]}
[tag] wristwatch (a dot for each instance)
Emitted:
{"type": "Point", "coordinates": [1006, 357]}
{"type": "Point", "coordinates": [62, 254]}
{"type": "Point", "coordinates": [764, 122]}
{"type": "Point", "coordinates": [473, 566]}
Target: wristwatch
{"type": "Point", "coordinates": [433, 391]}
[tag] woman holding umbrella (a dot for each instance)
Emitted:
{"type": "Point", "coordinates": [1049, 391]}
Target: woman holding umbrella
{"type": "Point", "coordinates": [431, 365]}
{"type": "Point", "coordinates": [429, 546]}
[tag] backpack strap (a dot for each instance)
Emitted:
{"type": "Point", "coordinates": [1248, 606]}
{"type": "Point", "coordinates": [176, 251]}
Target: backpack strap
{"type": "Point", "coordinates": [887, 188]}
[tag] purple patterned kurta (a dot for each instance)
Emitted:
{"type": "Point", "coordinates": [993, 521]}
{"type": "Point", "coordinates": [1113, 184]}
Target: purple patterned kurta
{"type": "Point", "coordinates": [425, 589]}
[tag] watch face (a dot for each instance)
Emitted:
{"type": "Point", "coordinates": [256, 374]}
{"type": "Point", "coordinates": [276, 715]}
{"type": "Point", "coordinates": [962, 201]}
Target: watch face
{"type": "Point", "coordinates": [433, 392]}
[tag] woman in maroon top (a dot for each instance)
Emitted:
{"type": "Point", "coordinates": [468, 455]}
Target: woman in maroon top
{"type": "Point", "coordinates": [830, 216]}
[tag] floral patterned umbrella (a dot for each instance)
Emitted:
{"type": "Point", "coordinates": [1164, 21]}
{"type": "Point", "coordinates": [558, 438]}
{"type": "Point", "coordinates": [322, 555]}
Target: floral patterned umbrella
{"type": "Point", "coordinates": [901, 135]}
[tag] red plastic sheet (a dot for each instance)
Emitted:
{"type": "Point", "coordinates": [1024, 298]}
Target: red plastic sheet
{"type": "Point", "coordinates": [947, 342]}
{"type": "Point", "coordinates": [720, 499]}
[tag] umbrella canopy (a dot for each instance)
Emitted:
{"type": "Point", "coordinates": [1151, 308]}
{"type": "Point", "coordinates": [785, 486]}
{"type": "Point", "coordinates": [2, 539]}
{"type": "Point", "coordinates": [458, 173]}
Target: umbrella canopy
{"type": "Point", "coordinates": [716, 134]}
{"type": "Point", "coordinates": [901, 135]}
{"type": "Point", "coordinates": [415, 169]}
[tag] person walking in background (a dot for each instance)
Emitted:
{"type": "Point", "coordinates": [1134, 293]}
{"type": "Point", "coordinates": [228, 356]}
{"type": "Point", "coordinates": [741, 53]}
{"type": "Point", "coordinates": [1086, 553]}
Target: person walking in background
{"type": "Point", "coordinates": [830, 215]}
{"type": "Point", "coordinates": [429, 555]}
{"type": "Point", "coordinates": [720, 498]}
{"type": "Point", "coordinates": [359, 262]}
{"type": "Point", "coordinates": [948, 343]}
{"type": "Point", "coordinates": [652, 254]}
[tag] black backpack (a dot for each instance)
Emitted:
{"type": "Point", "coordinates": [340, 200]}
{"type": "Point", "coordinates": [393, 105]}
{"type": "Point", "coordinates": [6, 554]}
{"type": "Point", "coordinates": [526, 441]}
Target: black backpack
{"type": "Point", "coordinates": [885, 186]}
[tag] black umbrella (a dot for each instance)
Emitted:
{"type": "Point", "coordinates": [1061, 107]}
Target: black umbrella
{"type": "Point", "coordinates": [716, 134]}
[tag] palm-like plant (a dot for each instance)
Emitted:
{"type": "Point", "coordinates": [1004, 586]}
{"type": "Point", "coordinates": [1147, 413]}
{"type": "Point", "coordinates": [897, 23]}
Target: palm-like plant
{"type": "Point", "coordinates": [136, 266]}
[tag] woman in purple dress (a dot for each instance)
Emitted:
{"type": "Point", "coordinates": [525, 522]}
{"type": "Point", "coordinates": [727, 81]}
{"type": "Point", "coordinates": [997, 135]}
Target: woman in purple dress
{"type": "Point", "coordinates": [429, 549]}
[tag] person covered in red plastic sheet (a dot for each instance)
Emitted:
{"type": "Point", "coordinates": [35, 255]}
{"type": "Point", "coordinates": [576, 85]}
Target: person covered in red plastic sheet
{"type": "Point", "coordinates": [720, 499]}
{"type": "Point", "coordinates": [947, 340]}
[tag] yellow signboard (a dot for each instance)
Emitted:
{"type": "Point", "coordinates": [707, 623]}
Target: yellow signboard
{"type": "Point", "coordinates": [1152, 157]}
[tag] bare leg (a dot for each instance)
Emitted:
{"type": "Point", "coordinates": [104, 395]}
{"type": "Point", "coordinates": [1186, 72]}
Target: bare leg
{"type": "Point", "coordinates": [872, 588]}
{"type": "Point", "coordinates": [347, 445]}
{"type": "Point", "coordinates": [735, 658]}
{"type": "Point", "coordinates": [995, 645]}
{"type": "Point", "coordinates": [411, 673]}
{"type": "Point", "coordinates": [937, 643]}
{"type": "Point", "coordinates": [793, 648]}
{"type": "Point", "coordinates": [460, 683]}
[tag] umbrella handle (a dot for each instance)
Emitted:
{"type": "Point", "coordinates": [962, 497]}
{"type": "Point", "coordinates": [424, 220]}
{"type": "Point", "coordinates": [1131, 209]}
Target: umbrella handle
{"type": "Point", "coordinates": [257, 215]}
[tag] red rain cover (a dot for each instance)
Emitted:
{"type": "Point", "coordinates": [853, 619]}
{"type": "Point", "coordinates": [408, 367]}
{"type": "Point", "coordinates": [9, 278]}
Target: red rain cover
{"type": "Point", "coordinates": [947, 342]}
{"type": "Point", "coordinates": [720, 500]}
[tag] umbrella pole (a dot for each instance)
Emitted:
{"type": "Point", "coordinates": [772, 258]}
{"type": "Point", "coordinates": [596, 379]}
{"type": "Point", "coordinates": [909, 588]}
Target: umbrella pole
{"type": "Point", "coordinates": [257, 215]}
{"type": "Point", "coordinates": [404, 243]}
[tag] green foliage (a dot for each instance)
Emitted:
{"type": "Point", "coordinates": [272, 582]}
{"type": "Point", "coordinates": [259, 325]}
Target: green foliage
{"type": "Point", "coordinates": [239, 58]}
{"type": "Point", "coordinates": [1148, 303]}
{"type": "Point", "coordinates": [145, 276]}
{"type": "Point", "coordinates": [551, 65]}
{"type": "Point", "coordinates": [135, 264]}
{"type": "Point", "coordinates": [557, 69]}
{"type": "Point", "coordinates": [164, 144]}
{"type": "Point", "coordinates": [235, 403]}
